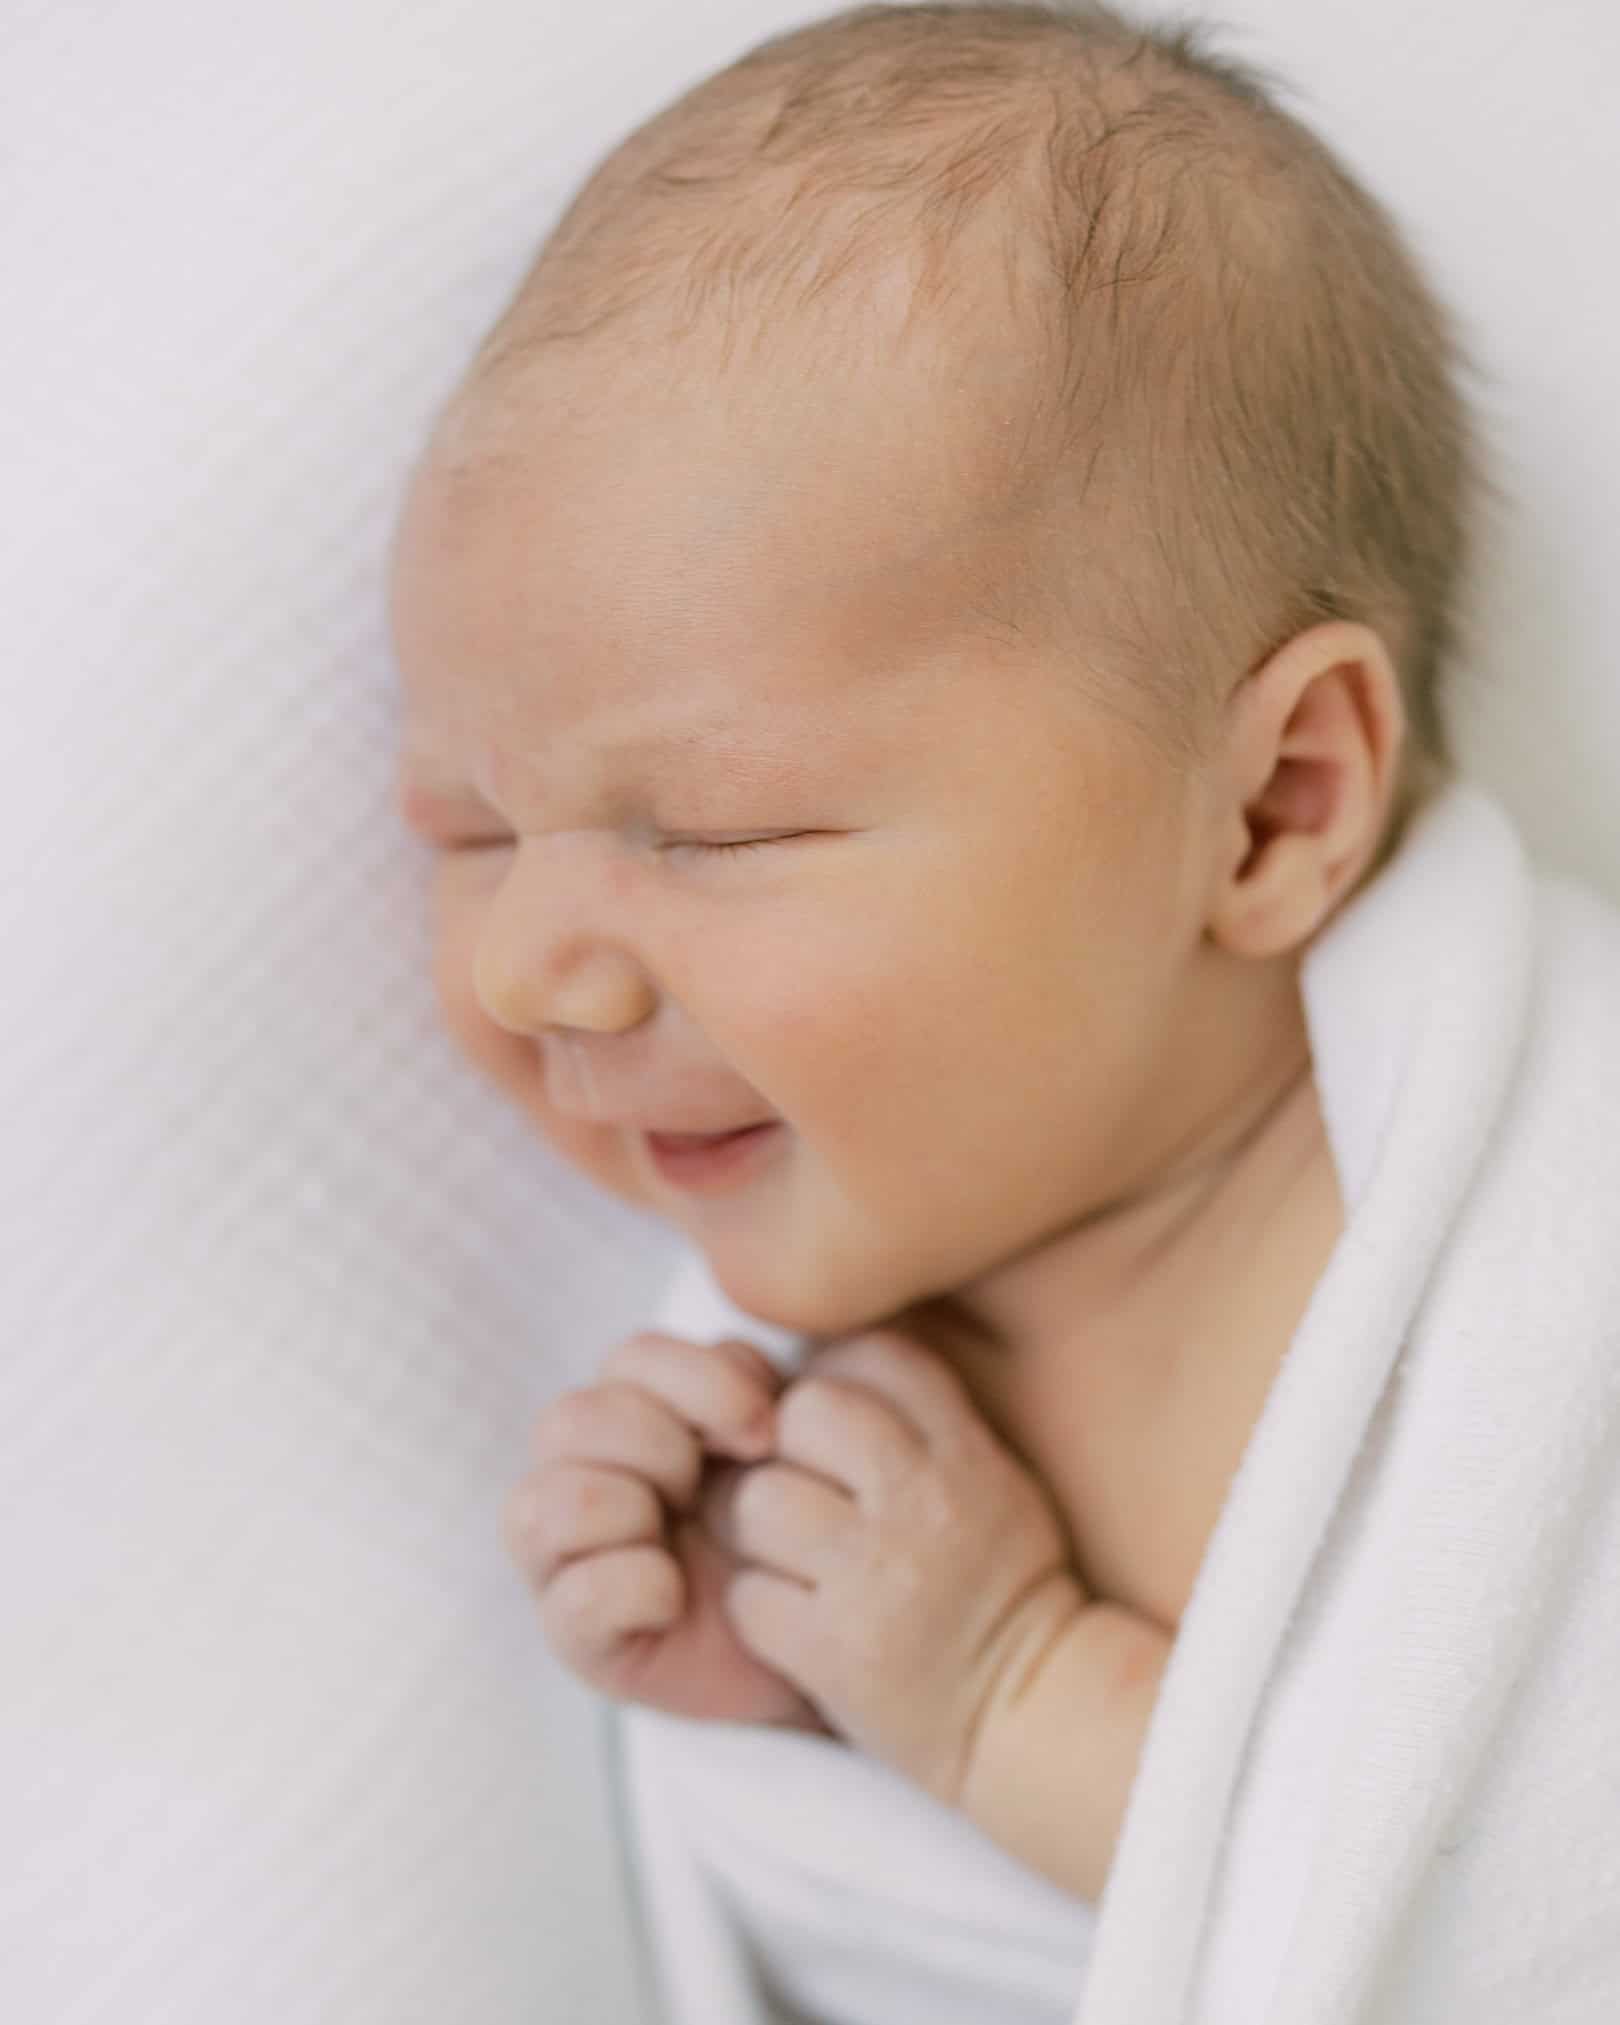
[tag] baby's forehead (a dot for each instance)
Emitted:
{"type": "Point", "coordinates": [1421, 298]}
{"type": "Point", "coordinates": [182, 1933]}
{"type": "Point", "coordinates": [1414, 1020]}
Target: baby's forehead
{"type": "Point", "coordinates": [810, 633]}
{"type": "Point", "coordinates": [768, 645]}
{"type": "Point", "coordinates": [765, 489]}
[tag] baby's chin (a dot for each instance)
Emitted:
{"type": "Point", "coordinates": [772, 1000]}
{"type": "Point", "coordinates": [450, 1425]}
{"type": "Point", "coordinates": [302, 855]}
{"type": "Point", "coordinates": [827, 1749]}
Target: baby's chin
{"type": "Point", "coordinates": [751, 1261]}
{"type": "Point", "coordinates": [801, 1297]}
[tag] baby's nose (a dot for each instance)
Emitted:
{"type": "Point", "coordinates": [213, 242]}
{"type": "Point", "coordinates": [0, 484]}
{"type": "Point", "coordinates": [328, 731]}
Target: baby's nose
{"type": "Point", "coordinates": [591, 990]}
{"type": "Point", "coordinates": [543, 961]}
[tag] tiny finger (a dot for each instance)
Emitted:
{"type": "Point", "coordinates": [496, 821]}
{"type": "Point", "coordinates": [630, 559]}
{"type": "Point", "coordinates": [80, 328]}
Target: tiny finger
{"type": "Point", "coordinates": [724, 1391]}
{"type": "Point", "coordinates": [779, 1517]}
{"type": "Point", "coordinates": [578, 1508]}
{"type": "Point", "coordinates": [774, 1618]}
{"type": "Point", "coordinates": [848, 1433]}
{"type": "Point", "coordinates": [615, 1425]}
{"type": "Point", "coordinates": [598, 1603]}
{"type": "Point", "coordinates": [918, 1382]}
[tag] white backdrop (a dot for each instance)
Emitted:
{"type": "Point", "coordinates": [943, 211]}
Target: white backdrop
{"type": "Point", "coordinates": [282, 1282]}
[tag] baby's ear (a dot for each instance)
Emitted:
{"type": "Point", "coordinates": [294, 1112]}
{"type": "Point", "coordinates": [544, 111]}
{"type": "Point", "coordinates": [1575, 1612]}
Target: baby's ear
{"type": "Point", "coordinates": [1311, 757]}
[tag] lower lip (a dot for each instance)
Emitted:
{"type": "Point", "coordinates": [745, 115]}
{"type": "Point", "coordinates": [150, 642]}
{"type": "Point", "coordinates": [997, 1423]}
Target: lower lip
{"type": "Point", "coordinates": [718, 1163]}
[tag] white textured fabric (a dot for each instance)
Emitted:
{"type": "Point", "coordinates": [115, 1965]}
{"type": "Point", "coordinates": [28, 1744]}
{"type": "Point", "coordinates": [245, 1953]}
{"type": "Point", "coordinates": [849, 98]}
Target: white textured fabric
{"type": "Point", "coordinates": [1382, 1785]}
{"type": "Point", "coordinates": [281, 1283]}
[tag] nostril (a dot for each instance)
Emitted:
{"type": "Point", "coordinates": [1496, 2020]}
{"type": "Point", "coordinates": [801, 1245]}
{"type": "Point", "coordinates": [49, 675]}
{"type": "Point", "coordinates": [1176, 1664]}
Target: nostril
{"type": "Point", "coordinates": [582, 994]}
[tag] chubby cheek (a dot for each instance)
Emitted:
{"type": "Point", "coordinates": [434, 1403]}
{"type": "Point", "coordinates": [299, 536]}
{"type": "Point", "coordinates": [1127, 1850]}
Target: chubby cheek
{"type": "Point", "coordinates": [512, 1061]}
{"type": "Point", "coordinates": [836, 1040]}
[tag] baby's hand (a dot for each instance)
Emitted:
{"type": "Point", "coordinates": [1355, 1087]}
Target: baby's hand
{"type": "Point", "coordinates": [607, 1530]}
{"type": "Point", "coordinates": [906, 1568]}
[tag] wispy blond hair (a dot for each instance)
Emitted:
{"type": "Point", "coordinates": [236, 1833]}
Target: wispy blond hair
{"type": "Point", "coordinates": [1220, 333]}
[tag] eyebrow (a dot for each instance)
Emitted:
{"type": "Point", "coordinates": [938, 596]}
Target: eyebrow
{"type": "Point", "coordinates": [716, 739]}
{"type": "Point", "coordinates": [427, 784]}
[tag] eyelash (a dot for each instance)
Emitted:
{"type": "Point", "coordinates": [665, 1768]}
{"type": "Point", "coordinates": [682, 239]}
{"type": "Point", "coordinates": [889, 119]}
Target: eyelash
{"type": "Point", "coordinates": [748, 844]}
{"type": "Point", "coordinates": [684, 844]}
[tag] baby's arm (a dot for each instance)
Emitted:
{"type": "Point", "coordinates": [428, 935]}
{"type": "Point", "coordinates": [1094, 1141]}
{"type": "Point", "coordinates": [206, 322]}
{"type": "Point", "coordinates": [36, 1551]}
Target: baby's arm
{"type": "Point", "coordinates": [914, 1580]}
{"type": "Point", "coordinates": [1057, 1748]}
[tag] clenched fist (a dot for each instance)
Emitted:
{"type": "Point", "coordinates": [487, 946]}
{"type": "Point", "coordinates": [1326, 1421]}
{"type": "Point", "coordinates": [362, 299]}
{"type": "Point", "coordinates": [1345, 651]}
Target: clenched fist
{"type": "Point", "coordinates": [607, 1527]}
{"type": "Point", "coordinates": [899, 1564]}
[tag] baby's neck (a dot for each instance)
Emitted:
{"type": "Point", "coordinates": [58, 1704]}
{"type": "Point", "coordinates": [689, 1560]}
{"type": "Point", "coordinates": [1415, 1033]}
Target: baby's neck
{"type": "Point", "coordinates": [1164, 1250]}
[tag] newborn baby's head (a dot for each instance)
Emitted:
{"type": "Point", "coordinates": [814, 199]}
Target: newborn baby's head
{"type": "Point", "coordinates": [929, 597]}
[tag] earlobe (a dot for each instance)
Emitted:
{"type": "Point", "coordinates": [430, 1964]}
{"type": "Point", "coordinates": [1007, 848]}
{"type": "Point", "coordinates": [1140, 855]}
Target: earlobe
{"type": "Point", "coordinates": [1314, 737]}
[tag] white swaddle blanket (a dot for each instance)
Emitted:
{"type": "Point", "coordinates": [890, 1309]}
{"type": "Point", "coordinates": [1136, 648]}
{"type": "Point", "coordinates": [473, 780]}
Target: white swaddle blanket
{"type": "Point", "coordinates": [1382, 1783]}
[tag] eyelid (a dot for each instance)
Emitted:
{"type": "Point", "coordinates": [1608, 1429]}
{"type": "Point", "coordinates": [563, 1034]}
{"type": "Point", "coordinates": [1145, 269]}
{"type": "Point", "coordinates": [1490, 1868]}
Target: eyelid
{"type": "Point", "coordinates": [715, 848]}
{"type": "Point", "coordinates": [708, 846]}
{"type": "Point", "coordinates": [719, 849]}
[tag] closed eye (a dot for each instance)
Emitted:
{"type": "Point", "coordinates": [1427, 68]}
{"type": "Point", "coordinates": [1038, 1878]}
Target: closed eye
{"type": "Point", "coordinates": [745, 844]}
{"type": "Point", "coordinates": [465, 844]}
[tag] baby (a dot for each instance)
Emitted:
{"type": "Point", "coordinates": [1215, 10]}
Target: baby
{"type": "Point", "coordinates": [929, 599]}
